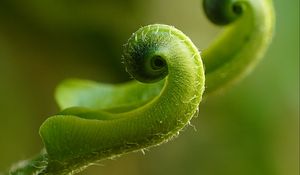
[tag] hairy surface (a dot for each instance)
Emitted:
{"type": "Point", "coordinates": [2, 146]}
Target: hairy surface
{"type": "Point", "coordinates": [100, 121]}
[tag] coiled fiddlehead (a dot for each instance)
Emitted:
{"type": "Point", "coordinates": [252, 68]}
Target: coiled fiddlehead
{"type": "Point", "coordinates": [101, 120]}
{"type": "Point", "coordinates": [79, 136]}
{"type": "Point", "coordinates": [248, 32]}
{"type": "Point", "coordinates": [245, 39]}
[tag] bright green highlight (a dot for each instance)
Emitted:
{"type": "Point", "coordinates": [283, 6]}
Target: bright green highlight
{"type": "Point", "coordinates": [100, 121]}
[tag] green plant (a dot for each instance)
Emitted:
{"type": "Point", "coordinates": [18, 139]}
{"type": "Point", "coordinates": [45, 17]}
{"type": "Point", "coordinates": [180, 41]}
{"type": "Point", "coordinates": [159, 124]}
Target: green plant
{"type": "Point", "coordinates": [99, 121]}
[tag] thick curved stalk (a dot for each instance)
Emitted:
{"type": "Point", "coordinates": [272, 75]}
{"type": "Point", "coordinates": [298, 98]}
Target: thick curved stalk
{"type": "Point", "coordinates": [248, 33]}
{"type": "Point", "coordinates": [79, 136]}
{"type": "Point", "coordinates": [101, 120]}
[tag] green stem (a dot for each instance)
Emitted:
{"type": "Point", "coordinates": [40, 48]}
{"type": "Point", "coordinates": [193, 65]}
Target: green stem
{"type": "Point", "coordinates": [243, 43]}
{"type": "Point", "coordinates": [79, 136]}
{"type": "Point", "coordinates": [248, 31]}
{"type": "Point", "coordinates": [99, 121]}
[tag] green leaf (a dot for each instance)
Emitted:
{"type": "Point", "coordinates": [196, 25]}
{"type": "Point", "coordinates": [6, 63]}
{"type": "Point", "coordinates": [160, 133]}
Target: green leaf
{"type": "Point", "coordinates": [100, 121]}
{"type": "Point", "coordinates": [81, 135]}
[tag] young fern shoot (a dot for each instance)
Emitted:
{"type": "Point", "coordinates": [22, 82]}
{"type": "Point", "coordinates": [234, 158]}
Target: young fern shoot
{"type": "Point", "coordinates": [79, 136]}
{"type": "Point", "coordinates": [99, 121]}
{"type": "Point", "coordinates": [248, 33]}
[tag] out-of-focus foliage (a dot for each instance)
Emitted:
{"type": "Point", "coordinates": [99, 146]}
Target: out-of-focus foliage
{"type": "Point", "coordinates": [251, 129]}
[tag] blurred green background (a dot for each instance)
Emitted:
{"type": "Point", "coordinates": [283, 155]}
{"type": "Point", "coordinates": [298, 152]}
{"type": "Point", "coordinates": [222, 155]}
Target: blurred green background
{"type": "Point", "coordinates": [251, 129]}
